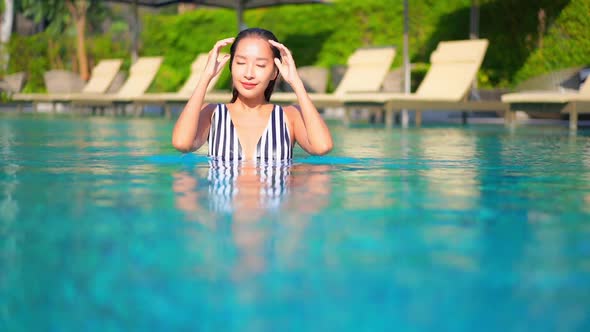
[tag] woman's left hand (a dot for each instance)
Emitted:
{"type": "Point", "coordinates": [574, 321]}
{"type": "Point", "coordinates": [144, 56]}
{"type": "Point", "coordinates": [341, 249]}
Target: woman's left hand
{"type": "Point", "coordinates": [286, 65]}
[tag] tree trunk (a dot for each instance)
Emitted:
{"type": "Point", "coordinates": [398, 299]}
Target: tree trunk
{"type": "Point", "coordinates": [81, 49]}
{"type": "Point", "coordinates": [405, 118]}
{"type": "Point", "coordinates": [78, 10]}
{"type": "Point", "coordinates": [135, 32]}
{"type": "Point", "coordinates": [474, 20]}
{"type": "Point", "coordinates": [5, 32]}
{"type": "Point", "coordinates": [474, 34]}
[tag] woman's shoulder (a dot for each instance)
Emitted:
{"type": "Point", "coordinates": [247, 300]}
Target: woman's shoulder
{"type": "Point", "coordinates": [210, 107]}
{"type": "Point", "coordinates": [290, 109]}
{"type": "Point", "coordinates": [293, 112]}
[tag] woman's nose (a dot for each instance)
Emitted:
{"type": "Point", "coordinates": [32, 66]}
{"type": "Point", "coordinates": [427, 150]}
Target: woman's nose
{"type": "Point", "coordinates": [249, 73]}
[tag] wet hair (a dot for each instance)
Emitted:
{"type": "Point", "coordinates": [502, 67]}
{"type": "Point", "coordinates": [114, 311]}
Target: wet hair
{"type": "Point", "coordinates": [263, 34]}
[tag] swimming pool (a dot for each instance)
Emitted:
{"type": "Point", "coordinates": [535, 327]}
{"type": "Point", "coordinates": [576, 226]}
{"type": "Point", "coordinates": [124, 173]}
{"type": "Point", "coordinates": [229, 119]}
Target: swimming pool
{"type": "Point", "coordinates": [104, 227]}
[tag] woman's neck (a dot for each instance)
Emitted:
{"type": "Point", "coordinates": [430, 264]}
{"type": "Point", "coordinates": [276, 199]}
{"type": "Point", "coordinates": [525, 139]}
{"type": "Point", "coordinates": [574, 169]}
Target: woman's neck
{"type": "Point", "coordinates": [248, 105]}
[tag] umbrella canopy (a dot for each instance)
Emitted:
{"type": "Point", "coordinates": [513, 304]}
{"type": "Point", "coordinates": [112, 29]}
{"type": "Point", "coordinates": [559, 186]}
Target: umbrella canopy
{"type": "Point", "coordinates": [473, 34]}
{"type": "Point", "coordinates": [234, 4]}
{"type": "Point", "coordinates": [238, 5]}
{"type": "Point", "coordinates": [407, 71]}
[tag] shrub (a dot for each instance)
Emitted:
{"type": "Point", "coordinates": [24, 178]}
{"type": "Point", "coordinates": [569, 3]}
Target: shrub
{"type": "Point", "coordinates": [29, 55]}
{"type": "Point", "coordinates": [326, 35]}
{"type": "Point", "coordinates": [566, 43]}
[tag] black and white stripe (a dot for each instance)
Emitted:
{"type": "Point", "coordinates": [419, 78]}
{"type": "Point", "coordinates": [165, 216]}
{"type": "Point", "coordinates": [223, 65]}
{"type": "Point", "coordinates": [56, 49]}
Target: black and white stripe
{"type": "Point", "coordinates": [222, 189]}
{"type": "Point", "coordinates": [223, 140]}
{"type": "Point", "coordinates": [274, 178]}
{"type": "Point", "coordinates": [224, 185]}
{"type": "Point", "coordinates": [273, 145]}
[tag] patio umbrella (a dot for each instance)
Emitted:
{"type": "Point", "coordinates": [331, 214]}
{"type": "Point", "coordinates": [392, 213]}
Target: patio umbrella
{"type": "Point", "coordinates": [238, 5]}
{"type": "Point", "coordinates": [407, 69]}
{"type": "Point", "coordinates": [473, 34]}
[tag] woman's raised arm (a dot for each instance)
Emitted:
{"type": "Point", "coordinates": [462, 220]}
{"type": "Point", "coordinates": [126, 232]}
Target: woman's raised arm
{"type": "Point", "coordinates": [311, 132]}
{"type": "Point", "coordinates": [190, 131]}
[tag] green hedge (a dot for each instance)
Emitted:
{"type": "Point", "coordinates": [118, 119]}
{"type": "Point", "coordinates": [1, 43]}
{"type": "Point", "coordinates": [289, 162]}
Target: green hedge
{"type": "Point", "coordinates": [567, 43]}
{"type": "Point", "coordinates": [318, 34]}
{"type": "Point", "coordinates": [30, 55]}
{"type": "Point", "coordinates": [180, 38]}
{"type": "Point", "coordinates": [325, 35]}
{"type": "Point", "coordinates": [39, 53]}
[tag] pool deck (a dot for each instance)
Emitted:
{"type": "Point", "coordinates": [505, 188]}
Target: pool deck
{"type": "Point", "coordinates": [358, 114]}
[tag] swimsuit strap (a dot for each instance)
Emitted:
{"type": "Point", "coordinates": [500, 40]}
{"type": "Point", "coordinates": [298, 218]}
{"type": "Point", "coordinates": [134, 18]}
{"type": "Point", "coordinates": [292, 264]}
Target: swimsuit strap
{"type": "Point", "coordinates": [275, 143]}
{"type": "Point", "coordinates": [223, 139]}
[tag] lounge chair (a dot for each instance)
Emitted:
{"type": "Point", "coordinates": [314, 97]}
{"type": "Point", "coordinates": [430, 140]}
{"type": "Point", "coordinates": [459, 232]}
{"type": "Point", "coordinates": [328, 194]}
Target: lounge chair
{"type": "Point", "coordinates": [166, 99]}
{"type": "Point", "coordinates": [141, 76]}
{"type": "Point", "coordinates": [367, 68]}
{"type": "Point", "coordinates": [12, 83]}
{"type": "Point", "coordinates": [572, 102]}
{"type": "Point", "coordinates": [446, 86]}
{"type": "Point", "coordinates": [101, 77]}
{"type": "Point", "coordinates": [314, 78]}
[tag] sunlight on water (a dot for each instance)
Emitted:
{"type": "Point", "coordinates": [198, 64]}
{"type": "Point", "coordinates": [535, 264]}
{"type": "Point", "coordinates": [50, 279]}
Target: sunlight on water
{"type": "Point", "coordinates": [103, 226]}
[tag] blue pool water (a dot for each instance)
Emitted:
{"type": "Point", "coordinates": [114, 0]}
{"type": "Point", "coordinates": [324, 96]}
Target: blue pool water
{"type": "Point", "coordinates": [104, 227]}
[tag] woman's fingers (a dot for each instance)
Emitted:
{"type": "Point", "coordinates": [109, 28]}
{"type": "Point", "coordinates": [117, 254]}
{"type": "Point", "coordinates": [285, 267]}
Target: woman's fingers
{"type": "Point", "coordinates": [280, 66]}
{"type": "Point", "coordinates": [224, 42]}
{"type": "Point", "coordinates": [275, 43]}
{"type": "Point", "coordinates": [216, 63]}
{"type": "Point", "coordinates": [285, 52]}
{"type": "Point", "coordinates": [220, 44]}
{"type": "Point", "coordinates": [219, 63]}
{"type": "Point", "coordinates": [286, 64]}
{"type": "Point", "coordinates": [223, 60]}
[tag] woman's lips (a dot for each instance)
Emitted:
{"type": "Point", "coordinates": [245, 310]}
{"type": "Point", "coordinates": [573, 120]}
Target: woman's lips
{"type": "Point", "coordinates": [248, 86]}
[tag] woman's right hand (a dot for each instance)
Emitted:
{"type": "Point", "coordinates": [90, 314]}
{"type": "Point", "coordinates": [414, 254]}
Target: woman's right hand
{"type": "Point", "coordinates": [214, 62]}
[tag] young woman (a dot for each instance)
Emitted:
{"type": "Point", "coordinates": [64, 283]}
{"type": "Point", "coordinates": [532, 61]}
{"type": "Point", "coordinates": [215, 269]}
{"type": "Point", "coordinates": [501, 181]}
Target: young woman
{"type": "Point", "coordinates": [250, 128]}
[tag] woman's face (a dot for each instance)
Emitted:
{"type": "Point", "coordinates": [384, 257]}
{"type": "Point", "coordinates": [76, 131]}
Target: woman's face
{"type": "Point", "coordinates": [253, 67]}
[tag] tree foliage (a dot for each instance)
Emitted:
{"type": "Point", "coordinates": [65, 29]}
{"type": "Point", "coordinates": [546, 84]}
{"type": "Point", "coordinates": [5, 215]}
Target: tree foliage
{"type": "Point", "coordinates": [566, 44]}
{"type": "Point", "coordinates": [521, 45]}
{"type": "Point", "coordinates": [55, 46]}
{"type": "Point", "coordinates": [55, 18]}
{"type": "Point", "coordinates": [325, 35]}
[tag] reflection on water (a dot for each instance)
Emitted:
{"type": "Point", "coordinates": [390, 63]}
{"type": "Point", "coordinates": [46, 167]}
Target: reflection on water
{"type": "Point", "coordinates": [246, 189]}
{"type": "Point", "coordinates": [454, 175]}
{"type": "Point", "coordinates": [105, 226]}
{"type": "Point", "coordinates": [8, 180]}
{"type": "Point", "coordinates": [249, 191]}
{"type": "Point", "coordinates": [586, 159]}
{"type": "Point", "coordinates": [249, 196]}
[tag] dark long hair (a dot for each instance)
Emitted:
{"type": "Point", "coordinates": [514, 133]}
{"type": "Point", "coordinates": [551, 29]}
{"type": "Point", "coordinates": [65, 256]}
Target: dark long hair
{"type": "Point", "coordinates": [260, 33]}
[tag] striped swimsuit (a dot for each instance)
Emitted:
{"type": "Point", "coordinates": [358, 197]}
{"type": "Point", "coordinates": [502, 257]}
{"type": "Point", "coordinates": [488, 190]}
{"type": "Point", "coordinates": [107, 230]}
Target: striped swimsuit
{"type": "Point", "coordinates": [273, 145]}
{"type": "Point", "coordinates": [224, 185]}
